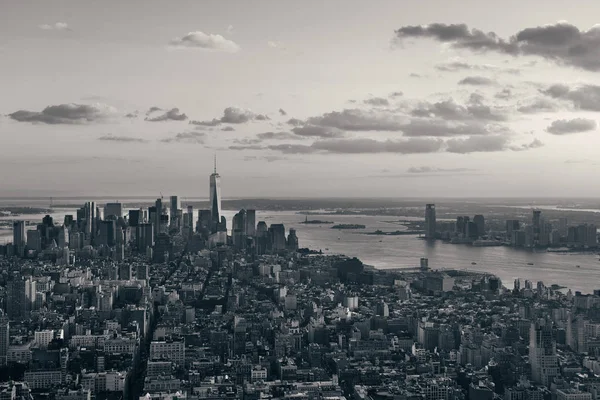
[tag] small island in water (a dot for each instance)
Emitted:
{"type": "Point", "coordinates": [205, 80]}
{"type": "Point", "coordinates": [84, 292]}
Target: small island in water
{"type": "Point", "coordinates": [316, 222]}
{"type": "Point", "coordinates": [395, 233]}
{"type": "Point", "coordinates": [348, 226]}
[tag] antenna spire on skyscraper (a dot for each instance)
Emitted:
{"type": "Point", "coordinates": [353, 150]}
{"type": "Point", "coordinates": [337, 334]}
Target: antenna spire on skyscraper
{"type": "Point", "coordinates": [215, 163]}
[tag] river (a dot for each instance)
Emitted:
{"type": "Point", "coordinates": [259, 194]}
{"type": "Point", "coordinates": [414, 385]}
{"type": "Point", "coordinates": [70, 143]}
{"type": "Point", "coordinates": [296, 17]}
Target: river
{"type": "Point", "coordinates": [405, 251]}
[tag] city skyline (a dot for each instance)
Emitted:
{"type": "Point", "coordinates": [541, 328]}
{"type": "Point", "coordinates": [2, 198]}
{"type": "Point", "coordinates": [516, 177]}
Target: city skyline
{"type": "Point", "coordinates": [409, 102]}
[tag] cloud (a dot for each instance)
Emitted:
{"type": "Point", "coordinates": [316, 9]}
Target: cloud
{"type": "Point", "coordinates": [476, 81]}
{"type": "Point", "coordinates": [536, 143]}
{"type": "Point", "coordinates": [396, 94]}
{"type": "Point", "coordinates": [428, 170]}
{"type": "Point", "coordinates": [456, 66]}
{"type": "Point", "coordinates": [561, 42]}
{"type": "Point", "coordinates": [122, 139]}
{"type": "Point", "coordinates": [576, 125]}
{"type": "Point", "coordinates": [65, 114]}
{"type": "Point", "coordinates": [538, 105]}
{"type": "Point", "coordinates": [171, 115]}
{"type": "Point", "coordinates": [295, 122]}
{"type": "Point", "coordinates": [585, 97]}
{"type": "Point", "coordinates": [277, 136]}
{"type": "Point", "coordinates": [317, 131]}
{"type": "Point", "coordinates": [504, 94]}
{"type": "Point", "coordinates": [450, 110]}
{"type": "Point", "coordinates": [365, 146]}
{"type": "Point", "coordinates": [230, 30]}
{"type": "Point", "coordinates": [228, 129]}
{"type": "Point", "coordinates": [187, 137]}
{"type": "Point", "coordinates": [377, 101]}
{"type": "Point", "coordinates": [132, 115]}
{"type": "Point", "coordinates": [475, 144]}
{"type": "Point", "coordinates": [233, 115]}
{"type": "Point", "coordinates": [204, 41]}
{"type": "Point", "coordinates": [282, 112]}
{"type": "Point", "coordinates": [153, 109]}
{"type": "Point", "coordinates": [58, 26]}
{"type": "Point", "coordinates": [359, 120]}
{"type": "Point", "coordinates": [443, 128]}
{"type": "Point", "coordinates": [266, 158]}
{"type": "Point", "coordinates": [275, 44]}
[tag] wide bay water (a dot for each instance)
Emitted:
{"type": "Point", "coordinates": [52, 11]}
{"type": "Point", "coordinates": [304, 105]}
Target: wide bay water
{"type": "Point", "coordinates": [386, 252]}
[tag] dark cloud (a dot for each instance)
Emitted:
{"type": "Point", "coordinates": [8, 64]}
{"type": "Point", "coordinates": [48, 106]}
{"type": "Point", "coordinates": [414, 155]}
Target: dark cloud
{"type": "Point", "coordinates": [64, 114]}
{"type": "Point", "coordinates": [561, 43]}
{"type": "Point", "coordinates": [122, 139]}
{"type": "Point", "coordinates": [295, 122]}
{"type": "Point", "coordinates": [205, 41]}
{"type": "Point", "coordinates": [396, 94]}
{"type": "Point", "coordinates": [443, 128]}
{"type": "Point", "coordinates": [233, 115]}
{"type": "Point", "coordinates": [153, 109]}
{"type": "Point", "coordinates": [450, 110]}
{"type": "Point", "coordinates": [171, 115]}
{"type": "Point", "coordinates": [476, 81]}
{"type": "Point", "coordinates": [585, 97]}
{"type": "Point", "coordinates": [475, 144]}
{"type": "Point", "coordinates": [187, 137]}
{"type": "Point", "coordinates": [228, 129]}
{"type": "Point", "coordinates": [377, 101]}
{"type": "Point", "coordinates": [277, 136]}
{"type": "Point", "coordinates": [359, 120]}
{"type": "Point", "coordinates": [317, 131]}
{"type": "Point", "coordinates": [429, 170]}
{"type": "Point", "coordinates": [282, 112]}
{"type": "Point", "coordinates": [567, 126]}
{"type": "Point", "coordinates": [456, 66]}
{"type": "Point", "coordinates": [363, 146]}
{"type": "Point", "coordinates": [132, 115]}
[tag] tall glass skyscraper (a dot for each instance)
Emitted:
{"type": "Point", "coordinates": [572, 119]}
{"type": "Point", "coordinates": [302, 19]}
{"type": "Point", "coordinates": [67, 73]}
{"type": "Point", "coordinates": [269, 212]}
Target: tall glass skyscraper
{"type": "Point", "coordinates": [215, 196]}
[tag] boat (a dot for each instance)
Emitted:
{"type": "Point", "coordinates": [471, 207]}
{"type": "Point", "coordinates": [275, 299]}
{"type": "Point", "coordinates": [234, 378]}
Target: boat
{"type": "Point", "coordinates": [529, 263]}
{"type": "Point", "coordinates": [473, 263]}
{"type": "Point", "coordinates": [577, 266]}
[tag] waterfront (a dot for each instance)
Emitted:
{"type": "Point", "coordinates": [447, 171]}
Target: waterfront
{"type": "Point", "coordinates": [404, 251]}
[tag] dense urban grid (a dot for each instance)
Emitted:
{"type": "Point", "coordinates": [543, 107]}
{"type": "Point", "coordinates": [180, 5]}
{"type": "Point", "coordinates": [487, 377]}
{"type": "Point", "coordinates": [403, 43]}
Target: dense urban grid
{"type": "Point", "coordinates": [163, 303]}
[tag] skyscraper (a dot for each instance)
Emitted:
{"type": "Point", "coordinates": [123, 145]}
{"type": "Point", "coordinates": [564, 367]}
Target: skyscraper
{"type": "Point", "coordinates": [19, 238]}
{"type": "Point", "coordinates": [174, 206]}
{"type": "Point", "coordinates": [215, 197]}
{"type": "Point", "coordinates": [113, 209]}
{"type": "Point", "coordinates": [430, 221]}
{"type": "Point", "coordinates": [157, 215]}
{"type": "Point", "coordinates": [4, 337]}
{"type": "Point", "coordinates": [537, 223]}
{"type": "Point", "coordinates": [238, 230]}
{"type": "Point", "coordinates": [251, 223]}
{"type": "Point", "coordinates": [90, 212]}
{"type": "Point", "coordinates": [480, 222]}
{"type": "Point", "coordinates": [542, 352]}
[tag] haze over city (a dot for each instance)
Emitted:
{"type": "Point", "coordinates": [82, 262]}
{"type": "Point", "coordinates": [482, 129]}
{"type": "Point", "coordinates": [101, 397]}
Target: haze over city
{"type": "Point", "coordinates": [343, 98]}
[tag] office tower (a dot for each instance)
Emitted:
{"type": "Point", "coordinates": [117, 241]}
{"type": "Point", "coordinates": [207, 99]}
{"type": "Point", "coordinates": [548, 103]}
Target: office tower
{"type": "Point", "coordinates": [292, 240]}
{"type": "Point", "coordinates": [460, 225]}
{"type": "Point", "coordinates": [125, 272]}
{"type": "Point", "coordinates": [142, 271]}
{"type": "Point", "coordinates": [108, 233]}
{"type": "Point", "coordinates": [251, 223]}
{"type": "Point", "coordinates": [113, 210]}
{"type": "Point", "coordinates": [215, 198]}
{"type": "Point", "coordinates": [63, 237]}
{"type": "Point", "coordinates": [430, 221]}
{"type": "Point", "coordinates": [144, 236]}
{"type": "Point", "coordinates": [4, 337]}
{"type": "Point", "coordinates": [157, 217]}
{"type": "Point", "coordinates": [19, 238]}
{"type": "Point", "coordinates": [189, 216]}
{"type": "Point", "coordinates": [563, 226]}
{"type": "Point", "coordinates": [204, 220]}
{"type": "Point", "coordinates": [536, 221]}
{"type": "Point", "coordinates": [472, 230]}
{"type": "Point", "coordinates": [69, 222]}
{"type": "Point", "coordinates": [34, 240]}
{"type": "Point", "coordinates": [277, 237]}
{"type": "Point", "coordinates": [238, 230]}
{"type": "Point", "coordinates": [480, 222]}
{"type": "Point", "coordinates": [542, 352]}
{"type": "Point", "coordinates": [90, 212]}
{"type": "Point", "coordinates": [511, 226]}
{"type": "Point", "coordinates": [591, 236]}
{"type": "Point", "coordinates": [20, 296]}
{"type": "Point", "coordinates": [174, 207]}
{"type": "Point", "coordinates": [162, 248]}
{"type": "Point", "coordinates": [262, 238]}
{"type": "Point", "coordinates": [135, 217]}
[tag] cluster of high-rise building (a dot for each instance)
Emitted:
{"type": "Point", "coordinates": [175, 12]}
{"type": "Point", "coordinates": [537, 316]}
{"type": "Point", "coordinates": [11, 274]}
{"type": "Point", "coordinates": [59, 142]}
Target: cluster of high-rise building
{"type": "Point", "coordinates": [114, 231]}
{"type": "Point", "coordinates": [538, 232]}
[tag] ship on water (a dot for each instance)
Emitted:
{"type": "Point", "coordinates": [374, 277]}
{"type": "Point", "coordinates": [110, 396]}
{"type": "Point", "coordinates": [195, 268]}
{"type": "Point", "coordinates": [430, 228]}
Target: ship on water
{"type": "Point", "coordinates": [487, 243]}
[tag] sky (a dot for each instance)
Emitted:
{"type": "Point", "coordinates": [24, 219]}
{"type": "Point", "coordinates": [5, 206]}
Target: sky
{"type": "Point", "coordinates": [344, 98]}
